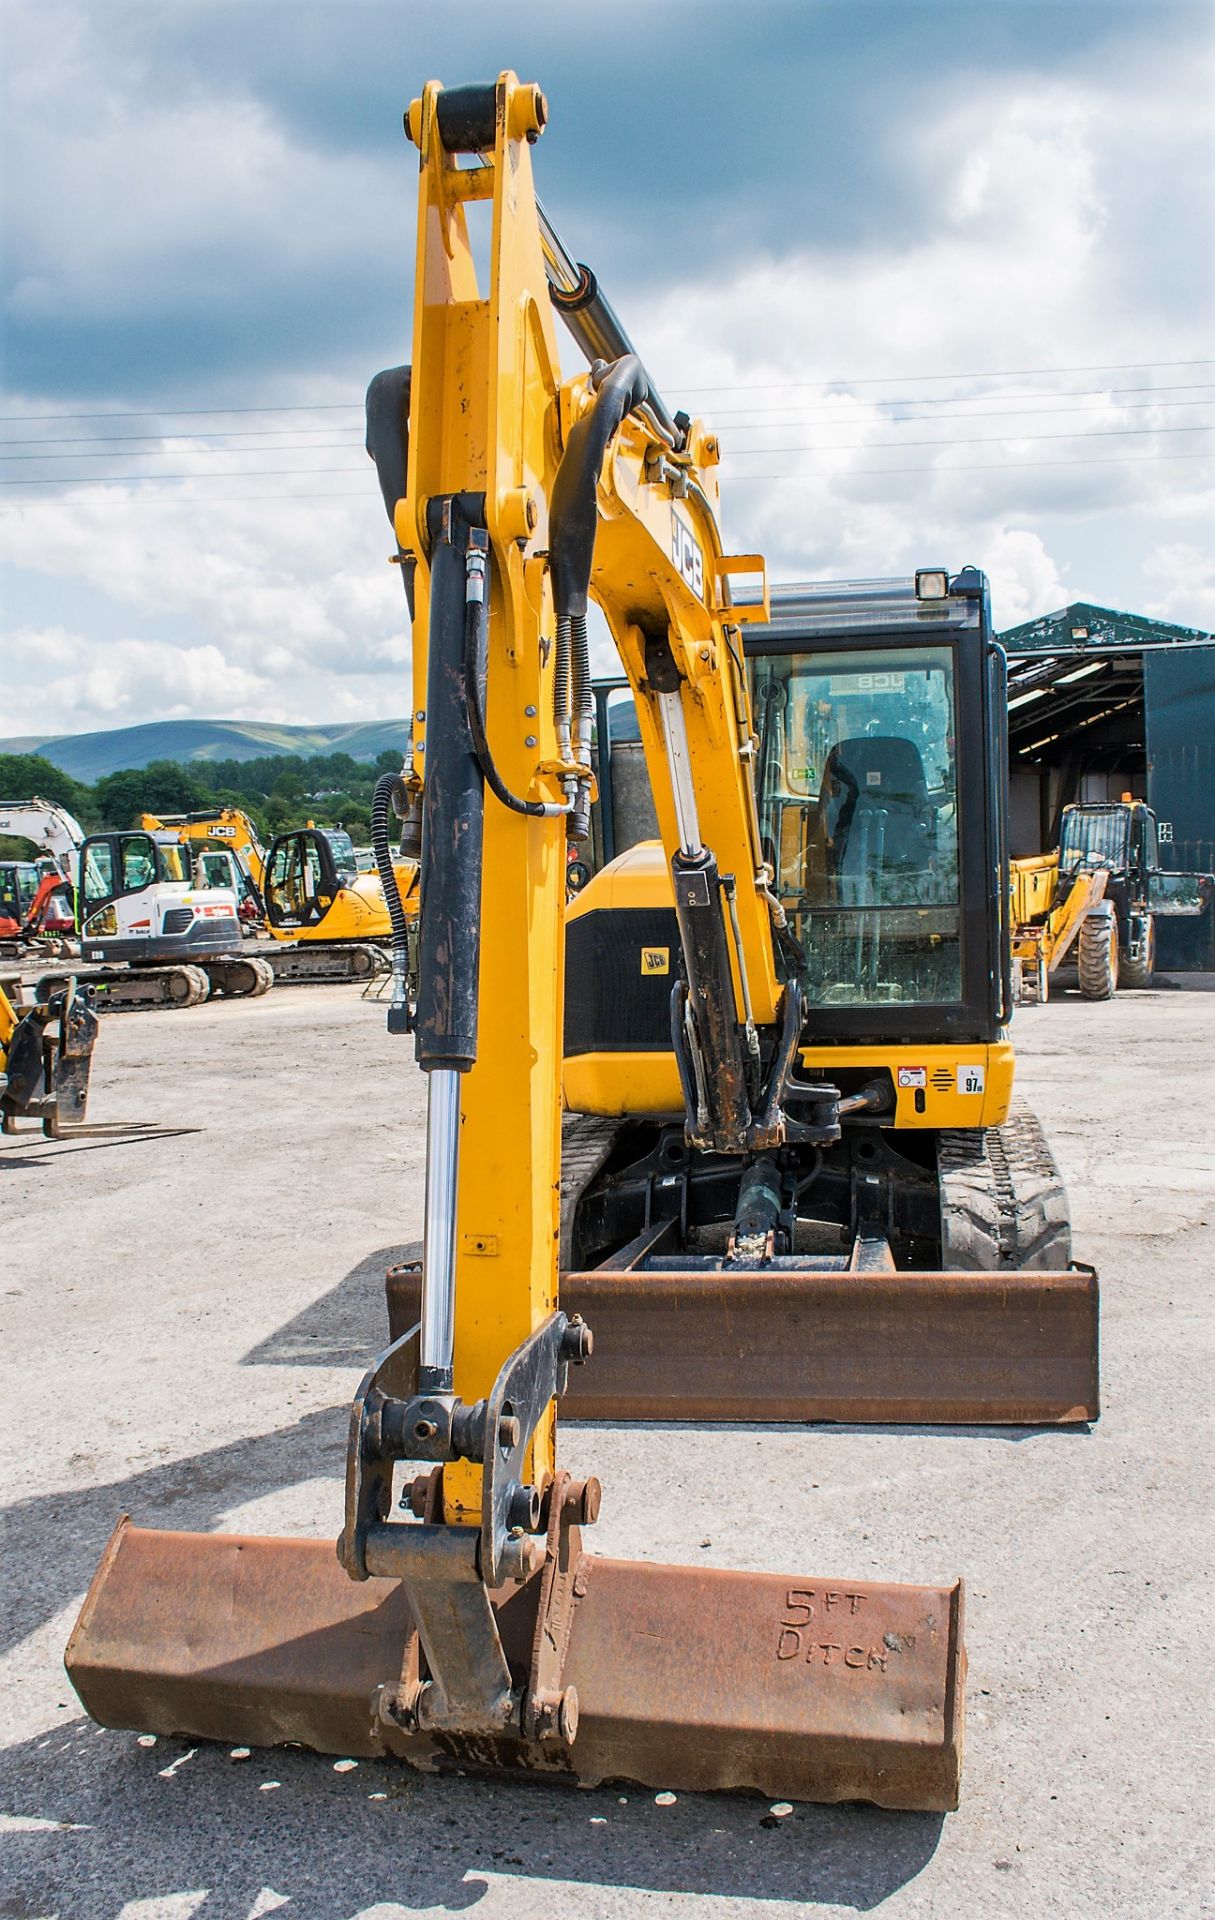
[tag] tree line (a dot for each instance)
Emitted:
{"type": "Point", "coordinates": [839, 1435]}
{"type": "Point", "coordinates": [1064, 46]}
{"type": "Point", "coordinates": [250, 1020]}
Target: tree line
{"type": "Point", "coordinates": [277, 791]}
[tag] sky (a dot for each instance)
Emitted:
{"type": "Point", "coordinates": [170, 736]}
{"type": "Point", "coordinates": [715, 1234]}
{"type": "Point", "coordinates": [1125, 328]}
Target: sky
{"type": "Point", "coordinates": [940, 276]}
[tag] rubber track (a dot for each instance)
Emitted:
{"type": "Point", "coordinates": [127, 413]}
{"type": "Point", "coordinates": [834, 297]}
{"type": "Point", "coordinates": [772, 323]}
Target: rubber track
{"type": "Point", "coordinates": [137, 980]}
{"type": "Point", "coordinates": [586, 1141]}
{"type": "Point", "coordinates": [1003, 1202]}
{"type": "Point", "coordinates": [304, 965]}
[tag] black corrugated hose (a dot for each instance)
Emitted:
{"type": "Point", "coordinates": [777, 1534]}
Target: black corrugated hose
{"type": "Point", "coordinates": [390, 792]}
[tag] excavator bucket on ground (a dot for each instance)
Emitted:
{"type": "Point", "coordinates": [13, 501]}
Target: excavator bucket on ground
{"type": "Point", "coordinates": [581, 1668]}
{"type": "Point", "coordinates": [686, 1678]}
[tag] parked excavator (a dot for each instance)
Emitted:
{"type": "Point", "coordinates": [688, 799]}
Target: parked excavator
{"type": "Point", "coordinates": [36, 914]}
{"type": "Point", "coordinates": [803, 1051]}
{"type": "Point", "coordinates": [329, 919]}
{"type": "Point", "coordinates": [46, 1056]}
{"type": "Point", "coordinates": [148, 936]}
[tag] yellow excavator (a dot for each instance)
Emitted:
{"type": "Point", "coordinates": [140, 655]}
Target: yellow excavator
{"type": "Point", "coordinates": [463, 1624]}
{"type": "Point", "coordinates": [330, 921]}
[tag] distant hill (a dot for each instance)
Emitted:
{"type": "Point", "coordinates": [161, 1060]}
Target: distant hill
{"type": "Point", "coordinates": [87, 756]}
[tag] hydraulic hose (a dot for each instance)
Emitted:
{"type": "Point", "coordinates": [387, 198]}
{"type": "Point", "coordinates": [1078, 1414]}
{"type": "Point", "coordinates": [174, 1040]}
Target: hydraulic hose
{"type": "Point", "coordinates": [476, 646]}
{"type": "Point", "coordinates": [573, 522]}
{"type": "Point", "coordinates": [583, 701]}
{"type": "Point", "coordinates": [390, 790]}
{"type": "Point", "coordinates": [574, 515]}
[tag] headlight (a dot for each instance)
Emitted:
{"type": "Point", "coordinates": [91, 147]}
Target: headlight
{"type": "Point", "coordinates": [931, 584]}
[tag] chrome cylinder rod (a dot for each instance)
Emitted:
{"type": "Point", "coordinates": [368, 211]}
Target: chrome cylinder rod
{"type": "Point", "coordinates": [679, 767]}
{"type": "Point", "coordinates": [439, 1229]}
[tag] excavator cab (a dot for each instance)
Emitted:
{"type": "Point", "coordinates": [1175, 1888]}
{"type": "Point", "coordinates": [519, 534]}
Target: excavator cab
{"type": "Point", "coordinates": [313, 889]}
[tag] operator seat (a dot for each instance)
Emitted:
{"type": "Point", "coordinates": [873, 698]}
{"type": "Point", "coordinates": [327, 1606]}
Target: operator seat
{"type": "Point", "coordinates": [875, 796]}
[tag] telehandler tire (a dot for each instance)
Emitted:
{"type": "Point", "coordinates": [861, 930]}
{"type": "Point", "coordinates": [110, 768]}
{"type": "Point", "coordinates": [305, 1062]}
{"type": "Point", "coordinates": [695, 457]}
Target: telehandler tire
{"type": "Point", "coordinates": [1138, 973]}
{"type": "Point", "coordinates": [1097, 956]}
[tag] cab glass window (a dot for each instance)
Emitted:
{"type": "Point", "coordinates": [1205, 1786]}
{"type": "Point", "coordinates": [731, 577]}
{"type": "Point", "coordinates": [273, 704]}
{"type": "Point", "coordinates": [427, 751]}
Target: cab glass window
{"type": "Point", "coordinates": [344, 857]}
{"type": "Point", "coordinates": [1094, 837]}
{"type": "Point", "coordinates": [98, 875]}
{"type": "Point", "coordinates": [859, 819]}
{"type": "Point", "coordinates": [138, 858]}
{"type": "Point", "coordinates": [173, 861]}
{"type": "Point", "coordinates": [293, 880]}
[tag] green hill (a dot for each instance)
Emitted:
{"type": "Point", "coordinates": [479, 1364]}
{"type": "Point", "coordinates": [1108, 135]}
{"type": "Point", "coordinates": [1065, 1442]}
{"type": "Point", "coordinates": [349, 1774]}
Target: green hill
{"type": "Point", "coordinates": [89, 756]}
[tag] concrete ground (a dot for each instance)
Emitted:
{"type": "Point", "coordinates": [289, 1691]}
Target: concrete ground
{"type": "Point", "coordinates": [186, 1312]}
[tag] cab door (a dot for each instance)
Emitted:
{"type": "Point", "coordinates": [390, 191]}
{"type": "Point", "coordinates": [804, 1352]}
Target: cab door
{"type": "Point", "coordinates": [300, 882]}
{"type": "Point", "coordinates": [117, 873]}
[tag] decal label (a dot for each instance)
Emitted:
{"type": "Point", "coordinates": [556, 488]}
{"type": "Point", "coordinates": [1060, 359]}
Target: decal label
{"type": "Point", "coordinates": [971, 1079]}
{"type": "Point", "coordinates": [685, 552]}
{"type": "Point", "coordinates": [913, 1076]}
{"type": "Point", "coordinates": [655, 960]}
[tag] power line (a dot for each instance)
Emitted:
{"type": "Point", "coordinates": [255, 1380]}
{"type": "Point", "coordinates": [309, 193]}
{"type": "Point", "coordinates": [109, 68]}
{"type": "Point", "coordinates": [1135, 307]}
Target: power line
{"type": "Point", "coordinates": [969, 440]}
{"type": "Point", "coordinates": [837, 380]}
{"type": "Point", "coordinates": [174, 453]}
{"type": "Point", "coordinates": [884, 379]}
{"type": "Point", "coordinates": [741, 426]}
{"type": "Point", "coordinates": [838, 446]}
{"type": "Point", "coordinates": [1040, 393]}
{"type": "Point", "coordinates": [145, 481]}
{"type": "Point", "coordinates": [225, 473]}
{"type": "Point", "coordinates": [989, 466]}
{"type": "Point", "coordinates": [190, 413]}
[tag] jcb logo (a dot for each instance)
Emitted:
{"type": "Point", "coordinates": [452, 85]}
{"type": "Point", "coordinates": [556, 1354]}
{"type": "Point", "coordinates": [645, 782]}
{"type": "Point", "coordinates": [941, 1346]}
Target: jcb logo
{"type": "Point", "coordinates": [687, 555]}
{"type": "Point", "coordinates": [656, 959]}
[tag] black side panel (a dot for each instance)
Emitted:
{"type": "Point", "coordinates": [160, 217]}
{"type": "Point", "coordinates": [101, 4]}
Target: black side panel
{"type": "Point", "coordinates": [620, 966]}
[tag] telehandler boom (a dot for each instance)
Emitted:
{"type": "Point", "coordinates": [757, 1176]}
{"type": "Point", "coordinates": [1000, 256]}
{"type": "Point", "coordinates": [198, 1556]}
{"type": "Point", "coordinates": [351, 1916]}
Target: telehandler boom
{"type": "Point", "coordinates": [479, 1633]}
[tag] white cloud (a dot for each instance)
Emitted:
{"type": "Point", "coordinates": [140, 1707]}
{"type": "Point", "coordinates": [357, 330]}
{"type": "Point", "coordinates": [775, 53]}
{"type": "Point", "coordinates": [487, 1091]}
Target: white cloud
{"type": "Point", "coordinates": [164, 182]}
{"type": "Point", "coordinates": [1034, 207]}
{"type": "Point", "coordinates": [1024, 579]}
{"type": "Point", "coordinates": [124, 683]}
{"type": "Point", "coordinates": [292, 598]}
{"type": "Point", "coordinates": [1184, 580]}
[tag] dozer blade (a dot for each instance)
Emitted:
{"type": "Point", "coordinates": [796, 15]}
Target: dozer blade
{"type": "Point", "coordinates": [975, 1349]}
{"type": "Point", "coordinates": [686, 1677]}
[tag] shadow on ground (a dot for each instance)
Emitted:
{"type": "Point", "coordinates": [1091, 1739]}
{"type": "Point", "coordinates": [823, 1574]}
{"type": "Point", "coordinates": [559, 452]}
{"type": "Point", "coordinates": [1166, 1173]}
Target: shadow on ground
{"type": "Point", "coordinates": [331, 1845]}
{"type": "Point", "coordinates": [52, 1541]}
{"type": "Point", "coordinates": [346, 1327]}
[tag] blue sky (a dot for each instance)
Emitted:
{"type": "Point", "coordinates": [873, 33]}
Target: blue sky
{"type": "Point", "coordinates": [938, 274]}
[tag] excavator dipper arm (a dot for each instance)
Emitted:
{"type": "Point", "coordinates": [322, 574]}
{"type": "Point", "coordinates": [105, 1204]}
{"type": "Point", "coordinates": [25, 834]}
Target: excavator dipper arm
{"type": "Point", "coordinates": [478, 1632]}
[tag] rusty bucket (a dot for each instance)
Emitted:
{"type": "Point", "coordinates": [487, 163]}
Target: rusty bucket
{"type": "Point", "coordinates": [786, 1685]}
{"type": "Point", "coordinates": [1016, 1348]}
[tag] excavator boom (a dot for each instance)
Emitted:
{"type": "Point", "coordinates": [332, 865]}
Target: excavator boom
{"type": "Point", "coordinates": [463, 1623]}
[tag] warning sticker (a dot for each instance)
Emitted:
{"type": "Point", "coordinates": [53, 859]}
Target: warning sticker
{"type": "Point", "coordinates": [913, 1076]}
{"type": "Point", "coordinates": [656, 959]}
{"type": "Point", "coordinates": [971, 1079]}
{"type": "Point", "coordinates": [873, 778]}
